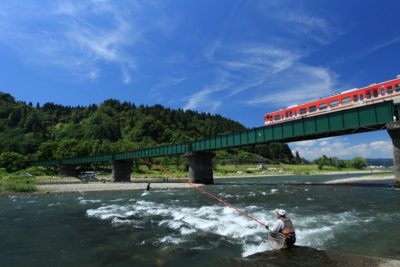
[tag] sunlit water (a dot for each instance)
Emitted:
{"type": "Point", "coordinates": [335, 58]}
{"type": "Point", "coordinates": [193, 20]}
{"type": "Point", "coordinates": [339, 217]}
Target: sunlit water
{"type": "Point", "coordinates": [182, 227]}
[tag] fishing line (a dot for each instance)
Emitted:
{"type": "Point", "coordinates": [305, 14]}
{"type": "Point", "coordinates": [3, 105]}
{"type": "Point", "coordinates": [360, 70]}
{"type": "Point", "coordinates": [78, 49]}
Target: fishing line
{"type": "Point", "coordinates": [223, 202]}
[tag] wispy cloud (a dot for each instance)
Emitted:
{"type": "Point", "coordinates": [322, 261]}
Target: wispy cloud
{"type": "Point", "coordinates": [317, 29]}
{"type": "Point", "coordinates": [298, 84]}
{"type": "Point", "coordinates": [272, 71]}
{"type": "Point", "coordinates": [268, 69]}
{"type": "Point", "coordinates": [240, 68]}
{"type": "Point", "coordinates": [204, 99]}
{"type": "Point", "coordinates": [381, 46]}
{"type": "Point", "coordinates": [78, 36]}
{"type": "Point", "coordinates": [167, 82]}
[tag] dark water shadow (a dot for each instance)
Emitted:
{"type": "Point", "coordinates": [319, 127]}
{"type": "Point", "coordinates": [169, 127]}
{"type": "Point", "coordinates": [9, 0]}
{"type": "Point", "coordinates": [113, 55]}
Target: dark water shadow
{"type": "Point", "coordinates": [307, 256]}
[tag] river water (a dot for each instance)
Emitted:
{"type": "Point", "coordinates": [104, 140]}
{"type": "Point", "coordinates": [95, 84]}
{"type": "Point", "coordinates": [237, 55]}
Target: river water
{"type": "Point", "coordinates": [182, 227]}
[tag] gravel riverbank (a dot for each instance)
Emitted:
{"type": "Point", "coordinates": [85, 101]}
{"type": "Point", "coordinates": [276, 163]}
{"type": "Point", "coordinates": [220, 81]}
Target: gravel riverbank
{"type": "Point", "coordinates": [361, 180]}
{"type": "Point", "coordinates": [92, 187]}
{"type": "Point", "coordinates": [142, 185]}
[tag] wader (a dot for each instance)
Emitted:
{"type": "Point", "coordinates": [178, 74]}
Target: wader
{"type": "Point", "coordinates": [288, 232]}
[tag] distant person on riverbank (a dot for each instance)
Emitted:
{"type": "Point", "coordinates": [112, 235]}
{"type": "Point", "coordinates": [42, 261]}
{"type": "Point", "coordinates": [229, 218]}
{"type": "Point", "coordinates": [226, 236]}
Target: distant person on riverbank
{"type": "Point", "coordinates": [284, 226]}
{"type": "Point", "coordinates": [148, 187]}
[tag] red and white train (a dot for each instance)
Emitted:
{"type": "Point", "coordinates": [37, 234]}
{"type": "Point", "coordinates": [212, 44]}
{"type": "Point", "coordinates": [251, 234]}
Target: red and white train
{"type": "Point", "coordinates": [348, 99]}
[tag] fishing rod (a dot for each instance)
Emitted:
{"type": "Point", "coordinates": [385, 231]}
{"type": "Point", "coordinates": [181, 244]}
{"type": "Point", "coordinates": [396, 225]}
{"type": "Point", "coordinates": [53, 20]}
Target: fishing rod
{"type": "Point", "coordinates": [223, 202]}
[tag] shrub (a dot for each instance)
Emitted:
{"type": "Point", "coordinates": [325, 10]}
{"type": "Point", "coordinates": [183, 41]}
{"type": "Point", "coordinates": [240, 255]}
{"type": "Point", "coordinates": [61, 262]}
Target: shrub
{"type": "Point", "coordinates": [358, 163]}
{"type": "Point", "coordinates": [35, 171]}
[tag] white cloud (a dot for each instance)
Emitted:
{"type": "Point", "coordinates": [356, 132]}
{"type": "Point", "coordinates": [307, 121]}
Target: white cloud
{"type": "Point", "coordinates": [78, 36]}
{"type": "Point", "coordinates": [297, 84]}
{"type": "Point", "coordinates": [239, 68]}
{"type": "Point", "coordinates": [304, 143]}
{"type": "Point", "coordinates": [296, 19]}
{"type": "Point", "coordinates": [341, 148]}
{"type": "Point", "coordinates": [318, 29]}
{"type": "Point", "coordinates": [203, 97]}
{"type": "Point", "coordinates": [272, 68]}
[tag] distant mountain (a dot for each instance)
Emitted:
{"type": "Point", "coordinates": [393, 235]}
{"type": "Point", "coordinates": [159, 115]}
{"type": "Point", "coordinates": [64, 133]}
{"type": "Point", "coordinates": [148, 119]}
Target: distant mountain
{"type": "Point", "coordinates": [380, 162]}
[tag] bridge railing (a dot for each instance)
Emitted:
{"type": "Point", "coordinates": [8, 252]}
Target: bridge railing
{"type": "Point", "coordinates": [371, 117]}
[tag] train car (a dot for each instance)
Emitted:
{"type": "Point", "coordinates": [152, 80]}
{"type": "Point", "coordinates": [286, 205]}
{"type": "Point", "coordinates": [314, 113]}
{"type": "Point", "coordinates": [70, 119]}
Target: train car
{"type": "Point", "coordinates": [347, 99]}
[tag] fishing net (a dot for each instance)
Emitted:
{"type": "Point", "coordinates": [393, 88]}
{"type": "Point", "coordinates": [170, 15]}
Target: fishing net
{"type": "Point", "coordinates": [276, 240]}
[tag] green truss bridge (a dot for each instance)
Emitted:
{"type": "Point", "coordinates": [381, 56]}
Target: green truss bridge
{"type": "Point", "coordinates": [378, 116]}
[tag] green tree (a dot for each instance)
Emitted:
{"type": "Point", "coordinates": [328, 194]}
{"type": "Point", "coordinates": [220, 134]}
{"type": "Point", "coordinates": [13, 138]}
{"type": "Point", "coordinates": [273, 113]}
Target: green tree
{"type": "Point", "coordinates": [47, 150]}
{"type": "Point", "coordinates": [358, 163]}
{"type": "Point", "coordinates": [322, 161]}
{"type": "Point", "coordinates": [12, 161]}
{"type": "Point", "coordinates": [297, 158]}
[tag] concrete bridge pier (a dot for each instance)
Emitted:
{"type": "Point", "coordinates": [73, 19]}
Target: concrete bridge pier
{"type": "Point", "coordinates": [121, 170]}
{"type": "Point", "coordinates": [393, 129]}
{"type": "Point", "coordinates": [67, 170]}
{"type": "Point", "coordinates": [200, 167]}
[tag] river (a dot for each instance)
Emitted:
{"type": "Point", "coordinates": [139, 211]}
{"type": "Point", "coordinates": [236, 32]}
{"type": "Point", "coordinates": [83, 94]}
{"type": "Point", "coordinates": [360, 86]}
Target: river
{"type": "Point", "coordinates": [182, 227]}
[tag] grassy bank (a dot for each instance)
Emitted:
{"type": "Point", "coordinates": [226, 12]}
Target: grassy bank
{"type": "Point", "coordinates": [16, 183]}
{"type": "Point", "coordinates": [244, 170]}
{"type": "Point", "coordinates": [17, 187]}
{"type": "Point", "coordinates": [278, 169]}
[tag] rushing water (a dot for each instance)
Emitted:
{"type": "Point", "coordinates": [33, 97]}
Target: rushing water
{"type": "Point", "coordinates": [182, 227]}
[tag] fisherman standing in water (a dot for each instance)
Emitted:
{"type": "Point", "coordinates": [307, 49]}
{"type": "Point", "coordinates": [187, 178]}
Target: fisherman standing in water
{"type": "Point", "coordinates": [284, 226]}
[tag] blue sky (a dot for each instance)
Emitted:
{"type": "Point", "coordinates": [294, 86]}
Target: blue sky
{"type": "Point", "coordinates": [238, 58]}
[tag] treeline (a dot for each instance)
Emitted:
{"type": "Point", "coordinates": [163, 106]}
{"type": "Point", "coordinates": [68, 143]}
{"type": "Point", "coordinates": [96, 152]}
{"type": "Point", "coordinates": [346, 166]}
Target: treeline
{"type": "Point", "coordinates": [356, 162]}
{"type": "Point", "coordinates": [52, 131]}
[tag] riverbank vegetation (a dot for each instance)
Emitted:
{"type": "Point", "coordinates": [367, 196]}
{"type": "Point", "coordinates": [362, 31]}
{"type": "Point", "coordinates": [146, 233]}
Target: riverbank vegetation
{"type": "Point", "coordinates": [16, 182]}
{"type": "Point", "coordinates": [325, 162]}
{"type": "Point", "coordinates": [242, 170]}
{"type": "Point", "coordinates": [17, 187]}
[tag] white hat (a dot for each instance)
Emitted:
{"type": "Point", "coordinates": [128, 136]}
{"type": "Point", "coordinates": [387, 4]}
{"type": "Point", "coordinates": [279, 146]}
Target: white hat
{"type": "Point", "coordinates": [281, 212]}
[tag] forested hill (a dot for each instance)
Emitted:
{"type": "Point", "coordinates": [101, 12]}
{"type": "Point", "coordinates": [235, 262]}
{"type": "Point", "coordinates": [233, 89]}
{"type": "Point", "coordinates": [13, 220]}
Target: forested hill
{"type": "Point", "coordinates": [55, 131]}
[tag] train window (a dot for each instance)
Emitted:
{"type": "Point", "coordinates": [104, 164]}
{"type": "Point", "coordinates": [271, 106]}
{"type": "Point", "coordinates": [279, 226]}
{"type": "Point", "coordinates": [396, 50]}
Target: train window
{"type": "Point", "coordinates": [398, 87]}
{"type": "Point", "coordinates": [277, 117]}
{"type": "Point", "coordinates": [355, 98]}
{"type": "Point", "coordinates": [346, 100]}
{"type": "Point", "coordinates": [334, 103]}
{"type": "Point", "coordinates": [375, 92]}
{"type": "Point", "coordinates": [291, 113]}
{"type": "Point", "coordinates": [368, 94]}
{"type": "Point", "coordinates": [390, 89]}
{"type": "Point", "coordinates": [303, 111]}
{"type": "Point", "coordinates": [322, 106]}
{"type": "Point", "coordinates": [382, 90]}
{"type": "Point", "coordinates": [361, 97]}
{"type": "Point", "coordinates": [312, 109]}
